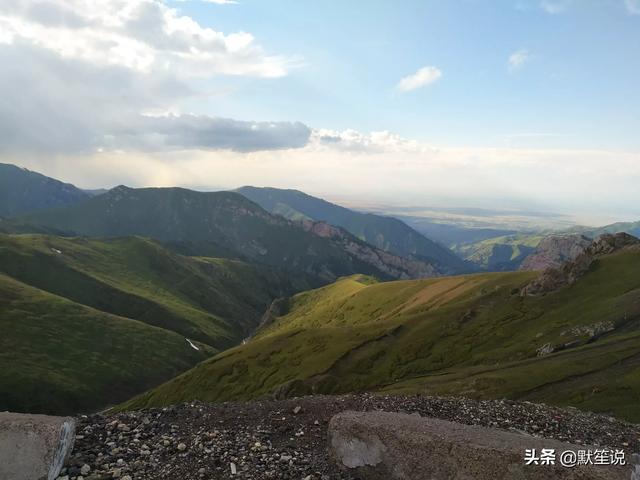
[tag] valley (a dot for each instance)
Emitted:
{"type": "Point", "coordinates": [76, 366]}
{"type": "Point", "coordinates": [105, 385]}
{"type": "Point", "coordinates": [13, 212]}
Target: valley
{"type": "Point", "coordinates": [293, 295]}
{"type": "Point", "coordinates": [471, 335]}
{"type": "Point", "coordinates": [82, 315]}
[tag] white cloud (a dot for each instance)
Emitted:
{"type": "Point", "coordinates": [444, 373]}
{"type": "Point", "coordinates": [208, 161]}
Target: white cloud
{"type": "Point", "coordinates": [374, 142]}
{"type": "Point", "coordinates": [84, 72]}
{"type": "Point", "coordinates": [145, 35]}
{"type": "Point", "coordinates": [518, 59]}
{"type": "Point", "coordinates": [217, 2]}
{"type": "Point", "coordinates": [633, 6]}
{"type": "Point", "coordinates": [424, 76]}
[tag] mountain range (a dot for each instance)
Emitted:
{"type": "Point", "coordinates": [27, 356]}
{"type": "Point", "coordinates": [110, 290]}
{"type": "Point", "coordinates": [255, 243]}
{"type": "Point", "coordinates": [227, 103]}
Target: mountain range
{"type": "Point", "coordinates": [105, 295]}
{"type": "Point", "coordinates": [190, 272]}
{"type": "Point", "coordinates": [225, 224]}
{"type": "Point", "coordinates": [22, 190]}
{"type": "Point", "coordinates": [386, 233]}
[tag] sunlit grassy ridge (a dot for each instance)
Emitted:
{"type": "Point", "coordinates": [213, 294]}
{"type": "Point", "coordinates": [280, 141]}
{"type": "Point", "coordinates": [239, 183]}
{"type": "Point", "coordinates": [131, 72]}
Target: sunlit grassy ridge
{"type": "Point", "coordinates": [472, 335]}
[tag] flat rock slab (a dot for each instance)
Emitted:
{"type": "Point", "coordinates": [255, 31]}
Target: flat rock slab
{"type": "Point", "coordinates": [34, 447]}
{"type": "Point", "coordinates": [385, 446]}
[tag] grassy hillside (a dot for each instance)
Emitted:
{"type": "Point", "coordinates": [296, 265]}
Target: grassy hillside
{"type": "Point", "coordinates": [632, 228]}
{"type": "Point", "coordinates": [24, 191]}
{"type": "Point", "coordinates": [386, 233]}
{"type": "Point", "coordinates": [89, 322]}
{"type": "Point", "coordinates": [218, 224]}
{"type": "Point", "coordinates": [472, 335]}
{"type": "Point", "coordinates": [57, 356]}
{"type": "Point", "coordinates": [215, 301]}
{"type": "Point", "coordinates": [507, 252]}
{"type": "Point", "coordinates": [499, 254]}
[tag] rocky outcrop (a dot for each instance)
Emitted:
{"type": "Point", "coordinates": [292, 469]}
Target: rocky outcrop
{"type": "Point", "coordinates": [393, 265]}
{"type": "Point", "coordinates": [34, 447]}
{"type": "Point", "coordinates": [554, 250]}
{"type": "Point", "coordinates": [278, 308]}
{"type": "Point", "coordinates": [387, 446]}
{"type": "Point", "coordinates": [553, 279]}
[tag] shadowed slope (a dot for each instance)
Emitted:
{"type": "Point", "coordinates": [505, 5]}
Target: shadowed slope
{"type": "Point", "coordinates": [60, 357]}
{"type": "Point", "coordinates": [216, 301]}
{"type": "Point", "coordinates": [22, 191]}
{"type": "Point", "coordinates": [387, 233]}
{"type": "Point", "coordinates": [225, 224]}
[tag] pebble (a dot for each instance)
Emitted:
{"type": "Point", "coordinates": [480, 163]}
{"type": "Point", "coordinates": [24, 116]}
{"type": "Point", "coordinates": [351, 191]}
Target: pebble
{"type": "Point", "coordinates": [256, 440]}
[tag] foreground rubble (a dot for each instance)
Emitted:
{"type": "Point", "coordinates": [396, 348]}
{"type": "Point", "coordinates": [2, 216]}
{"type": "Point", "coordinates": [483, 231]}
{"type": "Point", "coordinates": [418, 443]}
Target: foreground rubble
{"type": "Point", "coordinates": [287, 439]}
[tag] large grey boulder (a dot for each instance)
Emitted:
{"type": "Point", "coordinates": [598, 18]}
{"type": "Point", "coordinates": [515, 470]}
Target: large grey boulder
{"type": "Point", "coordinates": [386, 446]}
{"type": "Point", "coordinates": [34, 447]}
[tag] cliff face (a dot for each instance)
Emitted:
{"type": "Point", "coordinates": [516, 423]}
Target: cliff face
{"type": "Point", "coordinates": [554, 250]}
{"type": "Point", "coordinates": [553, 279]}
{"type": "Point", "coordinates": [393, 265]}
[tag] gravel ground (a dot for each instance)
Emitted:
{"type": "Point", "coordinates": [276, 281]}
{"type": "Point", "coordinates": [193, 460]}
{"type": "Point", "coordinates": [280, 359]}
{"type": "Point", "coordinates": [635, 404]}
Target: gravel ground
{"type": "Point", "coordinates": [287, 439]}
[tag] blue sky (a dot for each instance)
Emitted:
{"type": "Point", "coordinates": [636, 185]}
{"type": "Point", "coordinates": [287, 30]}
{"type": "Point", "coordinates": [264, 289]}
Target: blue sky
{"type": "Point", "coordinates": [578, 88]}
{"type": "Point", "coordinates": [514, 104]}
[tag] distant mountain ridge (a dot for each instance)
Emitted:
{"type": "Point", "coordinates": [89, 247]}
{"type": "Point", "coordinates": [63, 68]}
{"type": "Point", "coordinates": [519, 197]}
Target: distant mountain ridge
{"type": "Point", "coordinates": [578, 264]}
{"type": "Point", "coordinates": [554, 250]}
{"type": "Point", "coordinates": [386, 233]}
{"type": "Point", "coordinates": [632, 228]}
{"type": "Point", "coordinates": [22, 191]}
{"type": "Point", "coordinates": [224, 224]}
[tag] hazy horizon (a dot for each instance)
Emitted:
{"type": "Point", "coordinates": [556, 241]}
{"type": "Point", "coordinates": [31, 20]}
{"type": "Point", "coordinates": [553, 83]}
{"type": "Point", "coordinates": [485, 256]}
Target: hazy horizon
{"type": "Point", "coordinates": [512, 104]}
{"type": "Point", "coordinates": [495, 213]}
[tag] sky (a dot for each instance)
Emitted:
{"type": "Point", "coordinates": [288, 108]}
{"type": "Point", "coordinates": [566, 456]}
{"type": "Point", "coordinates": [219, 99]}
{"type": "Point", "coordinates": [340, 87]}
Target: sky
{"type": "Point", "coordinates": [530, 104]}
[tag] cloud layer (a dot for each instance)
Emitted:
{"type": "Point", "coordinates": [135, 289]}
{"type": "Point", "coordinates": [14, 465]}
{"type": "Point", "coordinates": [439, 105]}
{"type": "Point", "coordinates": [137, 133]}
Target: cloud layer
{"type": "Point", "coordinates": [386, 168]}
{"type": "Point", "coordinates": [81, 75]}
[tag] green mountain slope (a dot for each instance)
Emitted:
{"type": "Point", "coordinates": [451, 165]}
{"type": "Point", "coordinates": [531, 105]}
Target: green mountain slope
{"type": "Point", "coordinates": [24, 191]}
{"type": "Point", "coordinates": [57, 356]}
{"type": "Point", "coordinates": [386, 233]}
{"type": "Point", "coordinates": [500, 254]}
{"type": "Point", "coordinates": [473, 335]}
{"type": "Point", "coordinates": [632, 228]}
{"type": "Point", "coordinates": [224, 224]}
{"type": "Point", "coordinates": [215, 301]}
{"type": "Point", "coordinates": [518, 250]}
{"type": "Point", "coordinates": [87, 322]}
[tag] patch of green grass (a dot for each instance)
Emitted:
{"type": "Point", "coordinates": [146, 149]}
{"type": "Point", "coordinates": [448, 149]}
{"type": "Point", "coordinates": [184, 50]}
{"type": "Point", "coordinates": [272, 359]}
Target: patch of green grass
{"type": "Point", "coordinates": [502, 253]}
{"type": "Point", "coordinates": [472, 335]}
{"type": "Point", "coordinates": [58, 356]}
{"type": "Point", "coordinates": [217, 302]}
